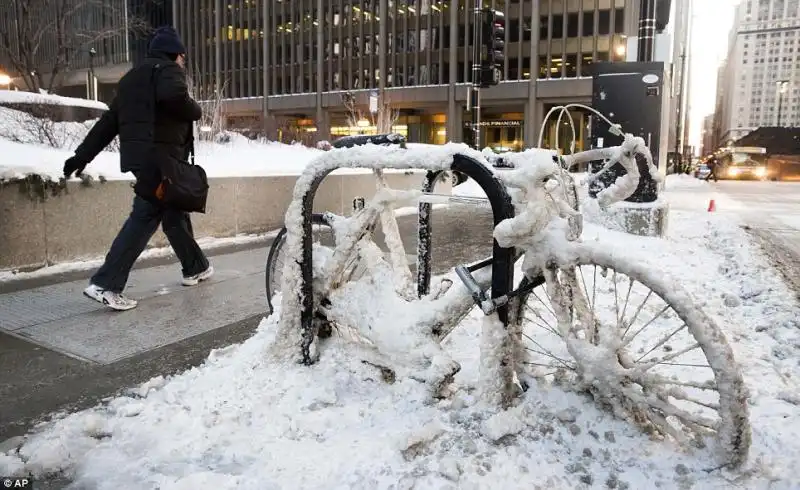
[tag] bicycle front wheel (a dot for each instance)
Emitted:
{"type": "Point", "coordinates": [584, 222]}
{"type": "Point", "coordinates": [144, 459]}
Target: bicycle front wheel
{"type": "Point", "coordinates": [638, 343]}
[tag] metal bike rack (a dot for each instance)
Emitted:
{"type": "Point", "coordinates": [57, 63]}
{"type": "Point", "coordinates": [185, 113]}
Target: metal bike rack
{"type": "Point", "coordinates": [502, 260]}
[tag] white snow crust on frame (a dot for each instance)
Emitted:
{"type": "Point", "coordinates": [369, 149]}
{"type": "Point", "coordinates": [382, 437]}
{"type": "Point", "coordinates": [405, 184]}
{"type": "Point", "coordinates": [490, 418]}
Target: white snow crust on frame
{"type": "Point", "coordinates": [369, 156]}
{"type": "Point", "coordinates": [20, 97]}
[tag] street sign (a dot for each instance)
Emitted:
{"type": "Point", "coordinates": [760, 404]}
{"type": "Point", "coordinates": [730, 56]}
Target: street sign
{"type": "Point", "coordinates": [373, 102]}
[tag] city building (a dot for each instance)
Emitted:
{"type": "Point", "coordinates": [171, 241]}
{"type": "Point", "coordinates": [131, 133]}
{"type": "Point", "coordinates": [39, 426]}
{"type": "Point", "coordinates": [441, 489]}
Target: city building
{"type": "Point", "coordinates": [101, 39]}
{"type": "Point", "coordinates": [759, 83]}
{"type": "Point", "coordinates": [312, 57]}
{"type": "Point", "coordinates": [707, 134]}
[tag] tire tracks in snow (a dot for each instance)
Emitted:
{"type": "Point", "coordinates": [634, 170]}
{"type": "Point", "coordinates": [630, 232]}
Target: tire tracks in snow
{"type": "Point", "coordinates": [780, 252]}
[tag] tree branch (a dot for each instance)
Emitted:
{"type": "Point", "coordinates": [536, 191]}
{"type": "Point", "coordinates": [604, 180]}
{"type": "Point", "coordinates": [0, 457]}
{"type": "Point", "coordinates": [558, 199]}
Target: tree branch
{"type": "Point", "coordinates": [45, 37]}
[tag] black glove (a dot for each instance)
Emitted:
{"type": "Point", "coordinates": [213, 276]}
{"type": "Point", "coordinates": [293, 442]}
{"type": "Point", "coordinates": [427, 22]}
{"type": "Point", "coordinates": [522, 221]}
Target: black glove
{"type": "Point", "coordinates": [73, 165]}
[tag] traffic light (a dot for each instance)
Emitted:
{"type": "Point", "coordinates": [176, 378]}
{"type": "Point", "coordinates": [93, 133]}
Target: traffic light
{"type": "Point", "coordinates": [494, 40]}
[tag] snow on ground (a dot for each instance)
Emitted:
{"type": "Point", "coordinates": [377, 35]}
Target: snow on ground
{"type": "Point", "coordinates": [245, 421]}
{"type": "Point", "coordinates": [21, 97]}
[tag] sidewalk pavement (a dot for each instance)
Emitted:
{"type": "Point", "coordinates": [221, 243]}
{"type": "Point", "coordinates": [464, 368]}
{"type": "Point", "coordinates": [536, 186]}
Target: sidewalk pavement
{"type": "Point", "coordinates": [62, 351]}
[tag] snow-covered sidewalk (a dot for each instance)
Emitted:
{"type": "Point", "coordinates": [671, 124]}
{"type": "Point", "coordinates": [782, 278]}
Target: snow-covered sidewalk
{"type": "Point", "coordinates": [245, 421]}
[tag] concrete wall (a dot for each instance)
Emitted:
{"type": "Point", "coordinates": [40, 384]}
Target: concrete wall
{"type": "Point", "coordinates": [81, 222]}
{"type": "Point", "coordinates": [57, 113]}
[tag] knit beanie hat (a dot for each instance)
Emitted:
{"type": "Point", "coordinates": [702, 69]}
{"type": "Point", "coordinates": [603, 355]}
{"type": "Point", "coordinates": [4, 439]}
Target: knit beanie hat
{"type": "Point", "coordinates": [166, 40]}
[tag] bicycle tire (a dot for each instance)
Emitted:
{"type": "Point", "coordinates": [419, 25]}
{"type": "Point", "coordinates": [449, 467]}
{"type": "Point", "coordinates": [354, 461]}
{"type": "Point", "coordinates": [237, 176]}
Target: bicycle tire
{"type": "Point", "coordinates": [273, 254]}
{"type": "Point", "coordinates": [733, 432]}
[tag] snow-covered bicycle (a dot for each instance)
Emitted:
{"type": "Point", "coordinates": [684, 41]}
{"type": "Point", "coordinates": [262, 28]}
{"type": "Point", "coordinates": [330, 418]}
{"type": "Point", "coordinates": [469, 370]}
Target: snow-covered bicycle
{"type": "Point", "coordinates": [584, 316]}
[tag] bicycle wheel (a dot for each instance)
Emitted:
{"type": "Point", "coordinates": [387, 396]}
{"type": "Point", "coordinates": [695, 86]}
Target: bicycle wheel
{"type": "Point", "coordinates": [678, 380]}
{"type": "Point", "coordinates": [322, 235]}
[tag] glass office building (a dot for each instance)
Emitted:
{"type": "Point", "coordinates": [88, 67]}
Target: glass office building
{"type": "Point", "coordinates": [304, 54]}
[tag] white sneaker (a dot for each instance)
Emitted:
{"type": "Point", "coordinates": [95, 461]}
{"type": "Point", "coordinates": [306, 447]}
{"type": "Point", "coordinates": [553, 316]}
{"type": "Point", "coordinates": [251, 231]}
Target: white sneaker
{"type": "Point", "coordinates": [115, 301]}
{"type": "Point", "coordinates": [197, 278]}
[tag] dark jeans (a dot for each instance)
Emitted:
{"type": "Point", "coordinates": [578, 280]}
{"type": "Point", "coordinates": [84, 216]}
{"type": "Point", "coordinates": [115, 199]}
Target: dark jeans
{"type": "Point", "coordinates": [134, 235]}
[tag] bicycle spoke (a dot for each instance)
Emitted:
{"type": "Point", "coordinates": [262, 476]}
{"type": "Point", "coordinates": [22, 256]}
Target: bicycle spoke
{"type": "Point", "coordinates": [546, 305]}
{"type": "Point", "coordinates": [683, 364]}
{"type": "Point", "coordinates": [549, 327]}
{"type": "Point", "coordinates": [651, 364]}
{"type": "Point", "coordinates": [662, 341]}
{"type": "Point", "coordinates": [645, 326]}
{"type": "Point", "coordinates": [547, 354]}
{"type": "Point", "coordinates": [627, 298]}
{"type": "Point", "coordinates": [651, 378]}
{"type": "Point", "coordinates": [586, 290]}
{"type": "Point", "coordinates": [636, 315]}
{"type": "Point", "coordinates": [683, 415]}
{"type": "Point", "coordinates": [680, 395]}
{"type": "Point", "coordinates": [616, 297]}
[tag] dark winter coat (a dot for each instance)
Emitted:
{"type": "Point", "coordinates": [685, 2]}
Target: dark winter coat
{"type": "Point", "coordinates": [153, 115]}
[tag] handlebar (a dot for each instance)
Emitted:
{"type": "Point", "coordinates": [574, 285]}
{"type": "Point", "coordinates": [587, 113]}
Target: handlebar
{"type": "Point", "coordinates": [535, 167]}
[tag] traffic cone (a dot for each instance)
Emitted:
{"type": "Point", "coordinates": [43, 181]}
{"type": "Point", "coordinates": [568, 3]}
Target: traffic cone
{"type": "Point", "coordinates": [712, 206]}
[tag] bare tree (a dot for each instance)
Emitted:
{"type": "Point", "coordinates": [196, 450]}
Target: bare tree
{"type": "Point", "coordinates": [40, 125]}
{"type": "Point", "coordinates": [383, 119]}
{"type": "Point", "coordinates": [212, 122]}
{"type": "Point", "coordinates": [42, 39]}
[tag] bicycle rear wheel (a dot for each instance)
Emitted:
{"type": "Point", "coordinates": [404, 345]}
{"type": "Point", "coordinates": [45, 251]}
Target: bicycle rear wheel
{"type": "Point", "coordinates": [322, 235]}
{"type": "Point", "coordinates": [661, 363]}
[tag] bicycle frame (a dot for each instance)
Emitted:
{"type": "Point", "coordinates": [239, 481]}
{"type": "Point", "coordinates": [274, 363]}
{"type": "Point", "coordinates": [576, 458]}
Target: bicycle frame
{"type": "Point", "coordinates": [450, 306]}
{"type": "Point", "coordinates": [502, 270]}
{"type": "Point", "coordinates": [502, 260]}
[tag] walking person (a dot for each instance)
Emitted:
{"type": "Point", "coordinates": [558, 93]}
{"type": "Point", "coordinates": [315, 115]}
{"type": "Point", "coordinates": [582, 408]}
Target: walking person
{"type": "Point", "coordinates": [713, 165]}
{"type": "Point", "coordinates": [153, 115]}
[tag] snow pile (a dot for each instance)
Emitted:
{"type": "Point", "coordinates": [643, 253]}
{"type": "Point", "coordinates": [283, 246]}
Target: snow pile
{"type": "Point", "coordinates": [20, 97]}
{"type": "Point", "coordinates": [240, 158]}
{"type": "Point", "coordinates": [248, 420]}
{"type": "Point", "coordinates": [26, 152]}
{"type": "Point", "coordinates": [21, 127]}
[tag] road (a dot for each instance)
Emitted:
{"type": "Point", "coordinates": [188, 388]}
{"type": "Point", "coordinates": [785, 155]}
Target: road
{"type": "Point", "coordinates": [771, 210]}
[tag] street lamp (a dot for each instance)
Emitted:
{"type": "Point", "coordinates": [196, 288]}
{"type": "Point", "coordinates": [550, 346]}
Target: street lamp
{"type": "Point", "coordinates": [783, 87]}
{"type": "Point", "coordinates": [5, 80]}
{"type": "Point", "coordinates": [92, 94]}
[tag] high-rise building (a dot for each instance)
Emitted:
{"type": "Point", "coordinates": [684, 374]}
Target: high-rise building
{"type": "Point", "coordinates": [305, 55]}
{"type": "Point", "coordinates": [759, 82]}
{"type": "Point", "coordinates": [707, 134]}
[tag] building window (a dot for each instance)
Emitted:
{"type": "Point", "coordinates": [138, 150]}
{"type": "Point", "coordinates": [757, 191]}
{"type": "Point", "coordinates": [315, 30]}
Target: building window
{"type": "Point", "coordinates": [572, 25]}
{"type": "Point", "coordinates": [588, 23]}
{"type": "Point", "coordinates": [619, 21]}
{"type": "Point", "coordinates": [604, 23]}
{"type": "Point", "coordinates": [558, 26]}
{"type": "Point", "coordinates": [572, 66]}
